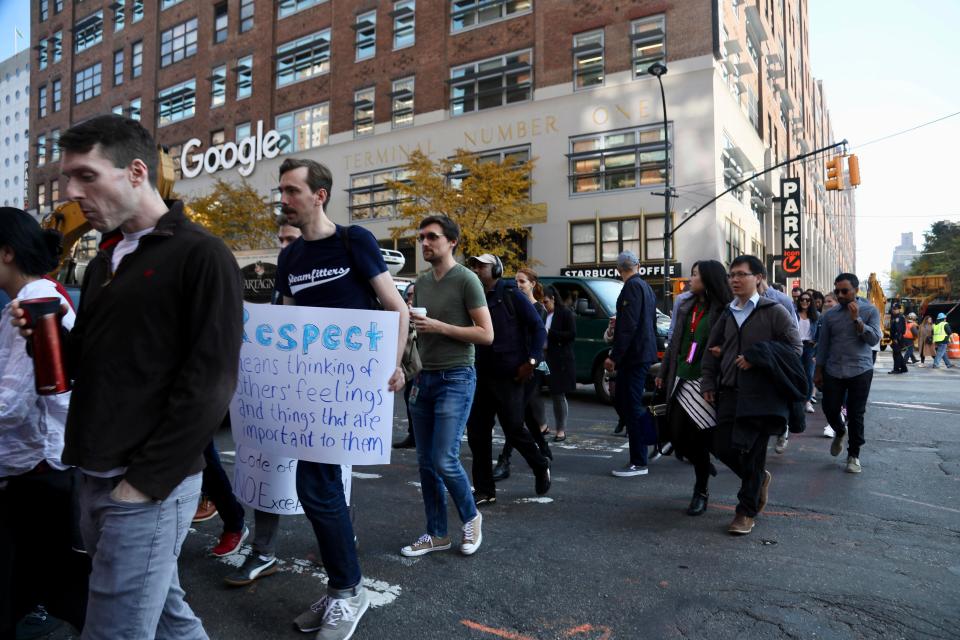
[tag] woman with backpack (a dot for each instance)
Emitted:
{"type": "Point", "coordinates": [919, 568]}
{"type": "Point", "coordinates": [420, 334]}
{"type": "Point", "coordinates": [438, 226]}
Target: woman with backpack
{"type": "Point", "coordinates": [808, 324]}
{"type": "Point", "coordinates": [690, 418]}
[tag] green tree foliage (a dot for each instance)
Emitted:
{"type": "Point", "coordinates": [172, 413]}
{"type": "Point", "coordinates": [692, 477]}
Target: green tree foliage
{"type": "Point", "coordinates": [941, 252]}
{"type": "Point", "coordinates": [237, 214]}
{"type": "Point", "coordinates": [489, 200]}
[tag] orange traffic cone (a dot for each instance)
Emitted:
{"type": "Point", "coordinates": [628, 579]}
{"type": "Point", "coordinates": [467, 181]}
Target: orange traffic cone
{"type": "Point", "coordinates": [953, 349]}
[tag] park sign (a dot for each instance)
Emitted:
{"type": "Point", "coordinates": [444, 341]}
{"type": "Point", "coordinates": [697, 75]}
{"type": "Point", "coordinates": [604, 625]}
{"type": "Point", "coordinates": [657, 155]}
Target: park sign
{"type": "Point", "coordinates": [790, 226]}
{"type": "Point", "coordinates": [244, 153]}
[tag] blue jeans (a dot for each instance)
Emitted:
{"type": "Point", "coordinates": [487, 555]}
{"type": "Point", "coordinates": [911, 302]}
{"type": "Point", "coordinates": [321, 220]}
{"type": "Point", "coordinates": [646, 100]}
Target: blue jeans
{"type": "Point", "coordinates": [134, 587]}
{"type": "Point", "coordinates": [320, 489]}
{"type": "Point", "coordinates": [440, 404]}
{"type": "Point", "coordinates": [941, 355]}
{"type": "Point", "coordinates": [809, 349]}
{"type": "Point", "coordinates": [629, 401]}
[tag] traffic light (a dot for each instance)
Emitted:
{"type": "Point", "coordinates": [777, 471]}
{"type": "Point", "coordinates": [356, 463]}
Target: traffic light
{"type": "Point", "coordinates": [853, 170]}
{"type": "Point", "coordinates": [835, 174]}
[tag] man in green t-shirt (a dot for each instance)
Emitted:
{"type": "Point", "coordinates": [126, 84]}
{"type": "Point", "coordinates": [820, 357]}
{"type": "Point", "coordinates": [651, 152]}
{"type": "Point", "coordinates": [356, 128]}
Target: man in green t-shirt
{"type": "Point", "coordinates": [450, 314]}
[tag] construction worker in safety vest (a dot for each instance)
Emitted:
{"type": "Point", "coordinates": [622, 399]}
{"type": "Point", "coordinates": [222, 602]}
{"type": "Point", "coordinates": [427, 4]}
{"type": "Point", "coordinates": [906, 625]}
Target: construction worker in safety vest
{"type": "Point", "coordinates": [941, 335]}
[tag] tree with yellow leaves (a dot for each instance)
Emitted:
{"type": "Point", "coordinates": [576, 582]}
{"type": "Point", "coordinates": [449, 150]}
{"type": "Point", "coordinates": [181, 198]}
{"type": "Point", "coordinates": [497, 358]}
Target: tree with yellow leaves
{"type": "Point", "coordinates": [490, 201]}
{"type": "Point", "coordinates": [237, 214]}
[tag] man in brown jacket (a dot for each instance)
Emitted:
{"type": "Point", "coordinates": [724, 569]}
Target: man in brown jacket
{"type": "Point", "coordinates": [744, 428]}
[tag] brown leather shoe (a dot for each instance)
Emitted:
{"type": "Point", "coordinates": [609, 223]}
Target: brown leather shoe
{"type": "Point", "coordinates": [741, 525]}
{"type": "Point", "coordinates": [767, 477]}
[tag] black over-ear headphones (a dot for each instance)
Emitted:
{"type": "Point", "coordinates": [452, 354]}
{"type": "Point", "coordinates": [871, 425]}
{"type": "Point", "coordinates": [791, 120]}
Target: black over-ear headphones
{"type": "Point", "coordinates": [496, 269]}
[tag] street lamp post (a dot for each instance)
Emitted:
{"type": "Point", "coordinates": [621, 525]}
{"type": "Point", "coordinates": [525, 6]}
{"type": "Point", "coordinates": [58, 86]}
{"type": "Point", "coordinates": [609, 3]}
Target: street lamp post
{"type": "Point", "coordinates": [658, 69]}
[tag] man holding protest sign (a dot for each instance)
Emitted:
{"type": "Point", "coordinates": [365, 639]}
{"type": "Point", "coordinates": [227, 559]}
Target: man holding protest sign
{"type": "Point", "coordinates": [450, 315]}
{"type": "Point", "coordinates": [338, 267]}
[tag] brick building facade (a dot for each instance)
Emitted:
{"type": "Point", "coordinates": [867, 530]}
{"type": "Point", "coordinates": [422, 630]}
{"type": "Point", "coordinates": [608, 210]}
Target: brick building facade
{"type": "Point", "coordinates": [357, 84]}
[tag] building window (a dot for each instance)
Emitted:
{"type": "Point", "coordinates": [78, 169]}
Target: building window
{"type": "Point", "coordinates": [220, 23]}
{"type": "Point", "coordinates": [119, 17]}
{"type": "Point", "coordinates": [177, 103]}
{"type": "Point", "coordinates": [648, 37]}
{"type": "Point", "coordinates": [136, 59]}
{"type": "Point", "coordinates": [137, 10]}
{"type": "Point", "coordinates": [246, 15]}
{"type": "Point", "coordinates": [617, 236]}
{"type": "Point", "coordinates": [218, 86]}
{"type": "Point", "coordinates": [404, 14]}
{"type": "Point", "coordinates": [471, 13]}
{"type": "Point", "coordinates": [88, 32]}
{"type": "Point", "coordinates": [303, 129]}
{"type": "Point", "coordinates": [175, 151]}
{"type": "Point", "coordinates": [41, 197]}
{"type": "Point", "coordinates": [304, 58]}
{"type": "Point", "coordinates": [583, 242]}
{"type": "Point", "coordinates": [618, 160]}
{"type": "Point", "coordinates": [55, 145]}
{"type": "Point", "coordinates": [653, 238]}
{"type": "Point", "coordinates": [178, 43]}
{"type": "Point", "coordinates": [57, 42]}
{"type": "Point", "coordinates": [733, 170]}
{"type": "Point", "coordinates": [118, 68]}
{"type": "Point", "coordinates": [289, 7]}
{"type": "Point", "coordinates": [217, 138]}
{"type": "Point", "coordinates": [758, 204]}
{"type": "Point", "coordinates": [42, 53]}
{"type": "Point", "coordinates": [516, 155]}
{"type": "Point", "coordinates": [363, 103]}
{"type": "Point", "coordinates": [57, 6]}
{"type": "Point", "coordinates": [371, 199]}
{"type": "Point", "coordinates": [117, 110]}
{"type": "Point", "coordinates": [86, 83]}
{"type": "Point", "coordinates": [57, 95]}
{"type": "Point", "coordinates": [491, 83]}
{"type": "Point", "coordinates": [44, 10]}
{"type": "Point", "coordinates": [588, 59]}
{"type": "Point", "coordinates": [135, 109]}
{"type": "Point", "coordinates": [241, 131]}
{"type": "Point", "coordinates": [42, 102]}
{"type": "Point", "coordinates": [244, 77]}
{"type": "Point", "coordinates": [54, 192]}
{"type": "Point", "coordinates": [401, 103]}
{"type": "Point", "coordinates": [366, 38]}
{"type": "Point", "coordinates": [166, 4]}
{"type": "Point", "coordinates": [736, 240]}
{"type": "Point", "coordinates": [41, 150]}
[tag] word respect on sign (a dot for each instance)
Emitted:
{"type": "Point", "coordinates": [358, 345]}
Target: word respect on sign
{"type": "Point", "coordinates": [313, 383]}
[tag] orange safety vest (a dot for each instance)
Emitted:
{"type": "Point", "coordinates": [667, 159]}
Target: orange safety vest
{"type": "Point", "coordinates": [908, 334]}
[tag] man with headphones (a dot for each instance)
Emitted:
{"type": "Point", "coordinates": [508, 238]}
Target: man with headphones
{"type": "Point", "coordinates": [502, 369]}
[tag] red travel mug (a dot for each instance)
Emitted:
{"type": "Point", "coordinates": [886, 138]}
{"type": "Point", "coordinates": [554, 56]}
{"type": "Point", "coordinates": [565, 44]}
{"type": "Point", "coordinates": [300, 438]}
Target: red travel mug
{"type": "Point", "coordinates": [43, 316]}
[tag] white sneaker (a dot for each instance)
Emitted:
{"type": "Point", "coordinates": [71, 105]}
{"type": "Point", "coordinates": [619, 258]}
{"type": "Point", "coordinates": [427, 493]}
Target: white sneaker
{"type": "Point", "coordinates": [472, 535]}
{"type": "Point", "coordinates": [781, 445]}
{"type": "Point", "coordinates": [425, 544]}
{"type": "Point", "coordinates": [629, 471]}
{"type": "Point", "coordinates": [828, 432]}
{"type": "Point", "coordinates": [342, 615]}
{"type": "Point", "coordinates": [853, 465]}
{"type": "Point", "coordinates": [809, 407]}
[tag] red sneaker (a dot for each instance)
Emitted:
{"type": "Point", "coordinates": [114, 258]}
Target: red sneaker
{"type": "Point", "coordinates": [205, 510]}
{"type": "Point", "coordinates": [230, 542]}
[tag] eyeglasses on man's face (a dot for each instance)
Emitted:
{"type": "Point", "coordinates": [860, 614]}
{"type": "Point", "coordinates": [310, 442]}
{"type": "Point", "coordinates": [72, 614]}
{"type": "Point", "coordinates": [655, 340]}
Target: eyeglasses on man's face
{"type": "Point", "coordinates": [739, 275]}
{"type": "Point", "coordinates": [429, 235]}
{"type": "Point", "coordinates": [842, 291]}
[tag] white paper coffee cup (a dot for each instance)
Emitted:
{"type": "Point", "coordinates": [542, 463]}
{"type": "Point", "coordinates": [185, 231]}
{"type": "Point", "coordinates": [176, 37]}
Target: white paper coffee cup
{"type": "Point", "coordinates": [418, 311]}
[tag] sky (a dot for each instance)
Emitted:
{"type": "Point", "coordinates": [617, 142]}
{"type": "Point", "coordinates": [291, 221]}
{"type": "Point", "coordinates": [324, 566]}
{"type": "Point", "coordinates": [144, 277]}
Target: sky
{"type": "Point", "coordinates": [888, 66]}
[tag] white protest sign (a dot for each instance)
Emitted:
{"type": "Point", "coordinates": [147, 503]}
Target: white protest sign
{"type": "Point", "coordinates": [313, 384]}
{"type": "Point", "coordinates": [269, 483]}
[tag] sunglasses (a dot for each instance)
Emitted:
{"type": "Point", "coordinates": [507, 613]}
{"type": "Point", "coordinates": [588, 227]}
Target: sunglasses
{"type": "Point", "coordinates": [839, 291]}
{"type": "Point", "coordinates": [804, 299]}
{"type": "Point", "coordinates": [429, 235]}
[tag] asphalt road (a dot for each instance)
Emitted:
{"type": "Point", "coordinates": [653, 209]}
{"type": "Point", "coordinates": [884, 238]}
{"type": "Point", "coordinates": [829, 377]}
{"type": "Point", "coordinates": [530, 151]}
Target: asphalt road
{"type": "Point", "coordinates": [834, 556]}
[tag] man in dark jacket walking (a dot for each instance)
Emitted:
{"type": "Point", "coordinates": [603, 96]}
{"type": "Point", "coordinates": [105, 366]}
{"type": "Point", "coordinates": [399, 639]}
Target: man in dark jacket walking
{"type": "Point", "coordinates": [747, 418]}
{"type": "Point", "coordinates": [898, 328]}
{"type": "Point", "coordinates": [634, 350]}
{"type": "Point", "coordinates": [154, 356]}
{"type": "Point", "coordinates": [502, 369]}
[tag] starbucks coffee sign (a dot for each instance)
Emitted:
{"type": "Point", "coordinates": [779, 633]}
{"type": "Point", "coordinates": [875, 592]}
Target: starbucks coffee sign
{"type": "Point", "coordinates": [243, 153]}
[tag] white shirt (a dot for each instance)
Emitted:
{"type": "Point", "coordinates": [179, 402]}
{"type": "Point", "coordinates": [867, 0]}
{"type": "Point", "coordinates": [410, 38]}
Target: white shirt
{"type": "Point", "coordinates": [740, 314]}
{"type": "Point", "coordinates": [127, 246]}
{"type": "Point", "coordinates": [31, 426]}
{"type": "Point", "coordinates": [805, 329]}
